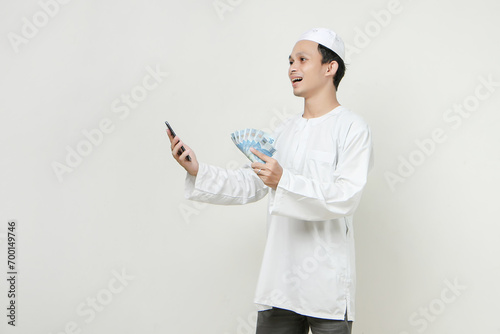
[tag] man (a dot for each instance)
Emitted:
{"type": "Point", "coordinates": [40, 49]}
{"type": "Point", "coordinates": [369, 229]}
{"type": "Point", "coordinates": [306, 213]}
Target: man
{"type": "Point", "coordinates": [314, 182]}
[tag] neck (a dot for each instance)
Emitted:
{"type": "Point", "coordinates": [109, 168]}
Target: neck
{"type": "Point", "coordinates": [320, 104]}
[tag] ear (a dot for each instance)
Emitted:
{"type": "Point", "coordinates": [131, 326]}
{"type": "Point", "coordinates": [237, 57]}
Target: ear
{"type": "Point", "coordinates": [332, 68]}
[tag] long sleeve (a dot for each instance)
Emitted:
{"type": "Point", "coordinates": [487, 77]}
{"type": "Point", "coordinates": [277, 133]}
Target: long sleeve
{"type": "Point", "coordinates": [317, 197]}
{"type": "Point", "coordinates": [224, 186]}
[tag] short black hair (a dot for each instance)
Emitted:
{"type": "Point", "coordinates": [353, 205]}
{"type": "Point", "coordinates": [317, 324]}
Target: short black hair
{"type": "Point", "coordinates": [329, 56]}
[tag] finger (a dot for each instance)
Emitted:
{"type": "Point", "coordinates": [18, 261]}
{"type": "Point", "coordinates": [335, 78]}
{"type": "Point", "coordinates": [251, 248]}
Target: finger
{"type": "Point", "coordinates": [174, 142]}
{"type": "Point", "coordinates": [258, 165]}
{"type": "Point", "coordinates": [260, 171]}
{"type": "Point", "coordinates": [186, 146]}
{"type": "Point", "coordinates": [177, 151]}
{"type": "Point", "coordinates": [261, 155]}
{"type": "Point", "coordinates": [169, 135]}
{"type": "Point", "coordinates": [184, 155]}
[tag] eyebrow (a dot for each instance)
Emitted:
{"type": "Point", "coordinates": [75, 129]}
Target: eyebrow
{"type": "Point", "coordinates": [298, 54]}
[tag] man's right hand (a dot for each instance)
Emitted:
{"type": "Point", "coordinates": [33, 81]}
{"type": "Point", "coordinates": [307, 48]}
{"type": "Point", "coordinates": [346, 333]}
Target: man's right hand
{"type": "Point", "coordinates": [175, 145]}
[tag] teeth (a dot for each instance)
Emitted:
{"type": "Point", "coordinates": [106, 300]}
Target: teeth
{"type": "Point", "coordinates": [297, 79]}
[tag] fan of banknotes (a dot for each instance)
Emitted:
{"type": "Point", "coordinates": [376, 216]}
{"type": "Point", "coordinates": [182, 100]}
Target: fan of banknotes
{"type": "Point", "coordinates": [260, 140]}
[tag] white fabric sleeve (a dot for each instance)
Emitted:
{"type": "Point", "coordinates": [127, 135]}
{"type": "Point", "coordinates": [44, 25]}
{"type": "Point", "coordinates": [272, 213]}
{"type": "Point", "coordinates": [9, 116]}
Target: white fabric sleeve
{"type": "Point", "coordinates": [218, 185]}
{"type": "Point", "coordinates": [312, 199]}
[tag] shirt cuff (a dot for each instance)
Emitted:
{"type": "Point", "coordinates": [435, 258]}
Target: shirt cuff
{"type": "Point", "coordinates": [277, 195]}
{"type": "Point", "coordinates": [190, 182]}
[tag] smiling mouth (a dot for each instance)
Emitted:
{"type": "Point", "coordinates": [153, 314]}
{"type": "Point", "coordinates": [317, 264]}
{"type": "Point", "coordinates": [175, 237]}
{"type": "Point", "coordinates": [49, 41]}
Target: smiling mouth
{"type": "Point", "coordinates": [296, 80]}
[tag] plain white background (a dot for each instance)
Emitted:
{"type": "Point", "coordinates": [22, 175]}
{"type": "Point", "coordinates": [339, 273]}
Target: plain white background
{"type": "Point", "coordinates": [428, 218]}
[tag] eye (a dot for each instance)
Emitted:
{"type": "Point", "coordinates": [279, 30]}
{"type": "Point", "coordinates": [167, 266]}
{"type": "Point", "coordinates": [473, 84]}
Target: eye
{"type": "Point", "coordinates": [291, 62]}
{"type": "Point", "coordinates": [302, 59]}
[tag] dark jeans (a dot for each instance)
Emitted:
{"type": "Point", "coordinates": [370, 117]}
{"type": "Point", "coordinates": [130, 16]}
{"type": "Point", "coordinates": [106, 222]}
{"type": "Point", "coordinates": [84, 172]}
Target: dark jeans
{"type": "Point", "coordinates": [279, 321]}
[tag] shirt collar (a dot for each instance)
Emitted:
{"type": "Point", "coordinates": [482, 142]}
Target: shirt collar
{"type": "Point", "coordinates": [317, 120]}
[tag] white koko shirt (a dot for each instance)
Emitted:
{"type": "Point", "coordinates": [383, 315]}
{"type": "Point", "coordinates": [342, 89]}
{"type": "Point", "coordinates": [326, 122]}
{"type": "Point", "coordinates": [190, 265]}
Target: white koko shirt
{"type": "Point", "coordinates": [308, 265]}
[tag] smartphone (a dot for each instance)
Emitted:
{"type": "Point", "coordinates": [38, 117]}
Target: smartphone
{"type": "Point", "coordinates": [188, 158]}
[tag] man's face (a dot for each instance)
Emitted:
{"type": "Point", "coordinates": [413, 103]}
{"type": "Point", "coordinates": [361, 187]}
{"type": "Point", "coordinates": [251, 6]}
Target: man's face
{"type": "Point", "coordinates": [306, 72]}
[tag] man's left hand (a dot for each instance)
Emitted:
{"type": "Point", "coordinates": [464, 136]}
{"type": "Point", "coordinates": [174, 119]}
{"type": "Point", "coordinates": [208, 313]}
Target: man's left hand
{"type": "Point", "coordinates": [269, 172]}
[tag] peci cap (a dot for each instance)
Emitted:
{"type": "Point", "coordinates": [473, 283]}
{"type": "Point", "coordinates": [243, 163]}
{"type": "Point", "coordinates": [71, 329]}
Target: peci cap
{"type": "Point", "coordinates": [327, 38]}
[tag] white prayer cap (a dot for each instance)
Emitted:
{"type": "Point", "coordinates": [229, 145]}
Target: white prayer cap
{"type": "Point", "coordinates": [327, 38]}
